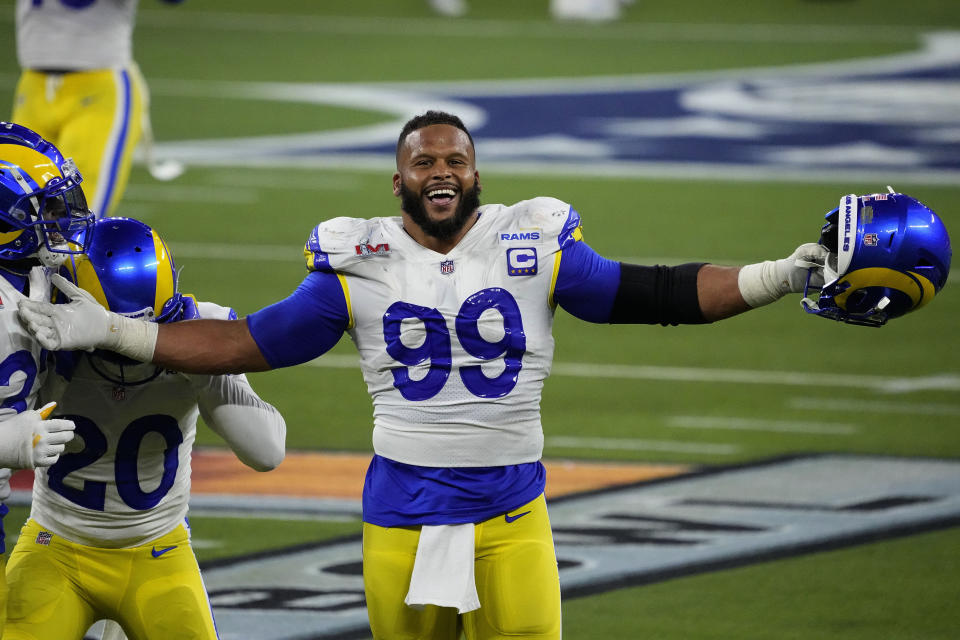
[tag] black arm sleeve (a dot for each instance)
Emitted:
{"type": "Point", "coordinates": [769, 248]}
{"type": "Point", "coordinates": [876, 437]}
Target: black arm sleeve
{"type": "Point", "coordinates": [657, 295]}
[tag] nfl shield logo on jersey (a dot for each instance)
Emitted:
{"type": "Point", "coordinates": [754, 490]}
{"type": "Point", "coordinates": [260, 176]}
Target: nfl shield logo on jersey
{"type": "Point", "coordinates": [446, 267]}
{"type": "Point", "coordinates": [44, 538]}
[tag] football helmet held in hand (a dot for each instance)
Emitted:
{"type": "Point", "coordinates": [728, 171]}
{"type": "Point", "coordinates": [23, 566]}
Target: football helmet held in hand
{"type": "Point", "coordinates": [42, 205]}
{"type": "Point", "coordinates": [889, 255]}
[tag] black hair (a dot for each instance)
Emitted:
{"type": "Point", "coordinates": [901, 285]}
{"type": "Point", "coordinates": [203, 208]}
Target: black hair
{"type": "Point", "coordinates": [431, 118]}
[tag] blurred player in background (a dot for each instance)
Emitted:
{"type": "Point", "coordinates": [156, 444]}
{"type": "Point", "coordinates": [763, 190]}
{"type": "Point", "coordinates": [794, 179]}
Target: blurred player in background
{"type": "Point", "coordinates": [451, 307]}
{"type": "Point", "coordinates": [107, 535]}
{"type": "Point", "coordinates": [81, 89]}
{"type": "Point", "coordinates": [41, 201]}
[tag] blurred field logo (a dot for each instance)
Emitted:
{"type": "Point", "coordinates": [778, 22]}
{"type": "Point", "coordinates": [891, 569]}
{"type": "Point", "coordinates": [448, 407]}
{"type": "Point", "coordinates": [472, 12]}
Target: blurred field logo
{"type": "Point", "coordinates": [630, 535]}
{"type": "Point", "coordinates": [849, 120]}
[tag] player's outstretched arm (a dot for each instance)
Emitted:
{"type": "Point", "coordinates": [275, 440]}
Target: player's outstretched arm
{"type": "Point", "coordinates": [727, 291]}
{"type": "Point", "coordinates": [195, 346]}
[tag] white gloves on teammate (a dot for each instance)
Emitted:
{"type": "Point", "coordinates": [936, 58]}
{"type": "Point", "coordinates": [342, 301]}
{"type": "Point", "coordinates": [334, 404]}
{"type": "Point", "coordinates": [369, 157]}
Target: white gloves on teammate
{"type": "Point", "coordinates": [84, 324]}
{"type": "Point", "coordinates": [28, 441]}
{"type": "Point", "coordinates": [765, 282]}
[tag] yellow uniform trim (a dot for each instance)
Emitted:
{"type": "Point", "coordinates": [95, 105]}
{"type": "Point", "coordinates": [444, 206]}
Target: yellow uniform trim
{"type": "Point", "coordinates": [307, 255]}
{"type": "Point", "coordinates": [553, 279]}
{"type": "Point", "coordinates": [6, 237]}
{"type": "Point", "coordinates": [165, 284]}
{"type": "Point", "coordinates": [86, 278]}
{"type": "Point", "coordinates": [577, 235]}
{"type": "Point", "coordinates": [919, 288]}
{"type": "Point", "coordinates": [346, 296]}
{"type": "Point", "coordinates": [33, 163]}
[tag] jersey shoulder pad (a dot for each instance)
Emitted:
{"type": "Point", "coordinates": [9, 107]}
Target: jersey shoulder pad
{"type": "Point", "coordinates": [213, 311]}
{"type": "Point", "coordinates": [337, 243]}
{"type": "Point", "coordinates": [556, 221]}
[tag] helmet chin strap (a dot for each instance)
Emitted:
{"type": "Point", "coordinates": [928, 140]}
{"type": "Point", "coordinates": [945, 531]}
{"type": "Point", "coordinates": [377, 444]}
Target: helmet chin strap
{"type": "Point", "coordinates": [50, 258]}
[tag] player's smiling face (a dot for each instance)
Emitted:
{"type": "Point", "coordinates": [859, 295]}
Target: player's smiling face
{"type": "Point", "coordinates": [437, 181]}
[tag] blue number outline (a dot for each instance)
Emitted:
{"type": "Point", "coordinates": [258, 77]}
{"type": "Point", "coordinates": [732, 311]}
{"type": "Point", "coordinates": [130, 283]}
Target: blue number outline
{"type": "Point", "coordinates": [21, 360]}
{"type": "Point", "coordinates": [126, 472]}
{"type": "Point", "coordinates": [436, 346]}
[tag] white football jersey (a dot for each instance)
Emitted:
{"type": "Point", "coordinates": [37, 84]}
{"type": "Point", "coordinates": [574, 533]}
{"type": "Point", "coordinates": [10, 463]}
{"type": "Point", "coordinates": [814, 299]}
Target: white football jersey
{"type": "Point", "coordinates": [96, 34]}
{"type": "Point", "coordinates": [454, 348]}
{"type": "Point", "coordinates": [22, 366]}
{"type": "Point", "coordinates": [125, 478]}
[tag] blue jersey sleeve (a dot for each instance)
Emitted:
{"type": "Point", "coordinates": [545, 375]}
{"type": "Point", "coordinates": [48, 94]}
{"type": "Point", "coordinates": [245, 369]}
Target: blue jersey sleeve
{"type": "Point", "coordinates": [305, 325]}
{"type": "Point", "coordinates": [587, 283]}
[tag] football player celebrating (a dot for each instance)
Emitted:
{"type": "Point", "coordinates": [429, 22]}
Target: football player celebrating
{"type": "Point", "coordinates": [450, 305]}
{"type": "Point", "coordinates": [81, 89]}
{"type": "Point", "coordinates": [107, 535]}
{"type": "Point", "coordinates": [41, 203]}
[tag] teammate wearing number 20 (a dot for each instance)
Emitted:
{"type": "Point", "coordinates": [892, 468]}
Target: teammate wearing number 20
{"type": "Point", "coordinates": [107, 535]}
{"type": "Point", "coordinates": [451, 307]}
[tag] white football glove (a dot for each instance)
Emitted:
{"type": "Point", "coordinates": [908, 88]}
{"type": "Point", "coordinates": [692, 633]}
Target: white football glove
{"type": "Point", "coordinates": [84, 324]}
{"type": "Point", "coordinates": [28, 441]}
{"type": "Point", "coordinates": [765, 282]}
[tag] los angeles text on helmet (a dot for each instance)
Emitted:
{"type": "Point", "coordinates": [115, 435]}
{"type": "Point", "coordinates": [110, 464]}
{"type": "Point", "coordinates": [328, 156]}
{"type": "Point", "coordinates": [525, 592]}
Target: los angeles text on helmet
{"type": "Point", "coordinates": [847, 222]}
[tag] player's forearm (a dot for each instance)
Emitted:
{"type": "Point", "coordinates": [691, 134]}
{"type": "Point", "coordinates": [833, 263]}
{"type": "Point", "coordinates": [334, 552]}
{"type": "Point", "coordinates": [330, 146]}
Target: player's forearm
{"type": "Point", "coordinates": [719, 293]}
{"type": "Point", "coordinates": [254, 429]}
{"type": "Point", "coordinates": [208, 346]}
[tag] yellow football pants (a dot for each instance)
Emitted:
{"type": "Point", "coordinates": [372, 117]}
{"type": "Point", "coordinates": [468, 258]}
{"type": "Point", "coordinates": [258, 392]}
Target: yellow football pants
{"type": "Point", "coordinates": [515, 570]}
{"type": "Point", "coordinates": [59, 588]}
{"type": "Point", "coordinates": [94, 117]}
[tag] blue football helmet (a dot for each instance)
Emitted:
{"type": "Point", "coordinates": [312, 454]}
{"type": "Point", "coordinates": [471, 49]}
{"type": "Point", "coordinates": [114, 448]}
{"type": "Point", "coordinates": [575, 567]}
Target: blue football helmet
{"type": "Point", "coordinates": [889, 255]}
{"type": "Point", "coordinates": [129, 270]}
{"type": "Point", "coordinates": [42, 205]}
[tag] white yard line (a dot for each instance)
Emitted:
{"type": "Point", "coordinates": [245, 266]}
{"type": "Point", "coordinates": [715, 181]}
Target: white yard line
{"type": "Point", "coordinates": [631, 444]}
{"type": "Point", "coordinates": [754, 424]}
{"type": "Point", "coordinates": [188, 193]}
{"type": "Point", "coordinates": [541, 29]}
{"type": "Point", "coordinates": [871, 407]}
{"type": "Point", "coordinates": [246, 253]}
{"type": "Point", "coordinates": [946, 381]}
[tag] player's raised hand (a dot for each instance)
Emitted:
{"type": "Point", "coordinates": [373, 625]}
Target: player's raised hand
{"type": "Point", "coordinates": [80, 324]}
{"type": "Point", "coordinates": [28, 440]}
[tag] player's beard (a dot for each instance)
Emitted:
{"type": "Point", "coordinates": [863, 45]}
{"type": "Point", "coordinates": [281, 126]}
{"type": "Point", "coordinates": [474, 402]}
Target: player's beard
{"type": "Point", "coordinates": [448, 228]}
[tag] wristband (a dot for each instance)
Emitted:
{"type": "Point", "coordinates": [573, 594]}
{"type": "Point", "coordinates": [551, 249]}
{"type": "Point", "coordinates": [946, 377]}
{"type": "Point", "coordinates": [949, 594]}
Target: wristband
{"type": "Point", "coordinates": [759, 284]}
{"type": "Point", "coordinates": [131, 337]}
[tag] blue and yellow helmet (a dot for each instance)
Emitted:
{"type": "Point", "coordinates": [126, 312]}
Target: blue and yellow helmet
{"type": "Point", "coordinates": [42, 205]}
{"type": "Point", "coordinates": [889, 255]}
{"type": "Point", "coordinates": [129, 270]}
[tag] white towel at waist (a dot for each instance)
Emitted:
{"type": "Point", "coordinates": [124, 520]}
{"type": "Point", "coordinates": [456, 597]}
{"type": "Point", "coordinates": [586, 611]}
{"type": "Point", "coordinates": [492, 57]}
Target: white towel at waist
{"type": "Point", "coordinates": [443, 569]}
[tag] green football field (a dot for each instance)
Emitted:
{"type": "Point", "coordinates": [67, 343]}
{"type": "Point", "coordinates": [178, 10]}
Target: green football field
{"type": "Point", "coordinates": [768, 384]}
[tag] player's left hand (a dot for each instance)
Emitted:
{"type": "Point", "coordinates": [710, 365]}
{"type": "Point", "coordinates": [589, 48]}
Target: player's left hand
{"type": "Point", "coordinates": [30, 440]}
{"type": "Point", "coordinates": [808, 258]}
